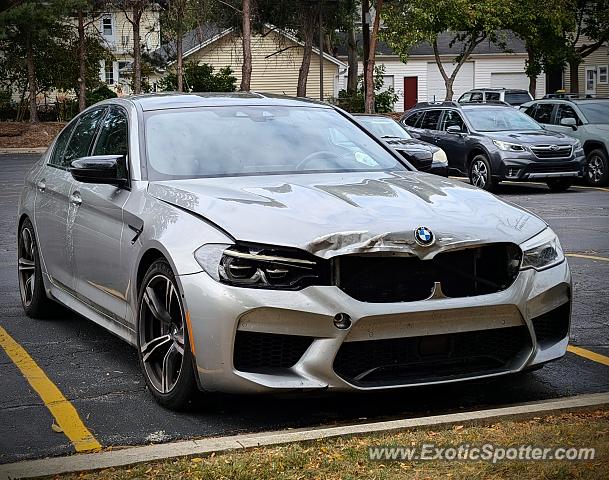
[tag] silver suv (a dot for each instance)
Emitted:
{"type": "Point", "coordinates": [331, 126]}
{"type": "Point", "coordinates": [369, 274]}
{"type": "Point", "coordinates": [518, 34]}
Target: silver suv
{"type": "Point", "coordinates": [586, 119]}
{"type": "Point", "coordinates": [511, 96]}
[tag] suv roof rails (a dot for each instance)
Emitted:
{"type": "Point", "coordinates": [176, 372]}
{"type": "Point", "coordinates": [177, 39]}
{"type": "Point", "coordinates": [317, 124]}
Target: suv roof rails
{"type": "Point", "coordinates": [487, 102]}
{"type": "Point", "coordinates": [448, 103]}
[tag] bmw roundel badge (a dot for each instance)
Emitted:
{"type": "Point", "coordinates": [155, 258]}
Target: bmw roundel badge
{"type": "Point", "coordinates": [424, 236]}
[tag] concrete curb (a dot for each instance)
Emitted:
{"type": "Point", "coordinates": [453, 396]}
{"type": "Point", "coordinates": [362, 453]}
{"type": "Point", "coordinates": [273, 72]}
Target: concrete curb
{"type": "Point", "coordinates": [129, 456]}
{"type": "Point", "coordinates": [13, 151]}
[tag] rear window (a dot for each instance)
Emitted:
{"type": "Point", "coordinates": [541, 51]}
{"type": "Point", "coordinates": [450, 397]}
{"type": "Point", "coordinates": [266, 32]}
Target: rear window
{"type": "Point", "coordinates": [517, 98]}
{"type": "Point", "coordinates": [414, 120]}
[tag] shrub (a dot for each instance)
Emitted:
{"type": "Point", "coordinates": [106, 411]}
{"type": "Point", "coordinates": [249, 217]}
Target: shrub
{"type": "Point", "coordinates": [355, 102]}
{"type": "Point", "coordinates": [200, 78]}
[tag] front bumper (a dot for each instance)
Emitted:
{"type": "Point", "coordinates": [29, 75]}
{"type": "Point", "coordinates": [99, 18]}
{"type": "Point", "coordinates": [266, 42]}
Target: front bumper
{"type": "Point", "coordinates": [218, 313]}
{"type": "Point", "coordinates": [525, 166]}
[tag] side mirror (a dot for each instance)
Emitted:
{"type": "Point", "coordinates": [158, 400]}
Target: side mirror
{"type": "Point", "coordinates": [100, 169]}
{"type": "Point", "coordinates": [454, 129]}
{"type": "Point", "coordinates": [569, 122]}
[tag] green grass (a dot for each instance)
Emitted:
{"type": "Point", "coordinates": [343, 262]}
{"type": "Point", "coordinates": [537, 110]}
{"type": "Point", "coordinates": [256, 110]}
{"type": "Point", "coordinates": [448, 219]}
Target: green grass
{"type": "Point", "coordinates": [347, 457]}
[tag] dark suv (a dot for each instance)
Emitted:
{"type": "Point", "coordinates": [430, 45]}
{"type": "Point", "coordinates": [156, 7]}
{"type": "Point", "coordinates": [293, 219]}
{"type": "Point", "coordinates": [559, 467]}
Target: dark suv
{"type": "Point", "coordinates": [490, 143]}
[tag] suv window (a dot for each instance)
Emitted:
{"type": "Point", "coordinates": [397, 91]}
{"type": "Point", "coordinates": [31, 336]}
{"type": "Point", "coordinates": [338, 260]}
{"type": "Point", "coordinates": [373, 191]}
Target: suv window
{"type": "Point", "coordinates": [430, 121]}
{"type": "Point", "coordinates": [452, 118]}
{"type": "Point", "coordinates": [493, 96]}
{"type": "Point", "coordinates": [466, 97]}
{"type": "Point", "coordinates": [476, 97]}
{"type": "Point", "coordinates": [82, 137]}
{"type": "Point", "coordinates": [60, 145]}
{"type": "Point", "coordinates": [517, 98]}
{"type": "Point", "coordinates": [414, 120]}
{"type": "Point", "coordinates": [566, 111]}
{"type": "Point", "coordinates": [543, 112]}
{"type": "Point", "coordinates": [112, 137]}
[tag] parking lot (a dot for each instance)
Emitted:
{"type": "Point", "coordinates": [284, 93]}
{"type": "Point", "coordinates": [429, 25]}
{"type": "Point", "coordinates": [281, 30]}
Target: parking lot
{"type": "Point", "coordinates": [99, 374]}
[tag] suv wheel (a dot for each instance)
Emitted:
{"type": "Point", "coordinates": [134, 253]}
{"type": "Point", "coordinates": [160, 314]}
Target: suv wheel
{"type": "Point", "coordinates": [163, 341]}
{"type": "Point", "coordinates": [480, 174]}
{"type": "Point", "coordinates": [559, 184]}
{"type": "Point", "coordinates": [597, 171]}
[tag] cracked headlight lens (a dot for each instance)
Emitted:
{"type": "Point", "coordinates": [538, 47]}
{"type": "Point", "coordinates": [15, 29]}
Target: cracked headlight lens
{"type": "Point", "coordinates": [542, 251]}
{"type": "Point", "coordinates": [439, 156]}
{"type": "Point", "coordinates": [261, 267]}
{"type": "Point", "coordinates": [507, 146]}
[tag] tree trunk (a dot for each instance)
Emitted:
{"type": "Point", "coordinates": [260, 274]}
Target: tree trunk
{"type": "Point", "coordinates": [303, 73]}
{"type": "Point", "coordinates": [246, 68]}
{"type": "Point", "coordinates": [352, 55]}
{"type": "Point", "coordinates": [574, 74]}
{"type": "Point", "coordinates": [449, 89]}
{"type": "Point", "coordinates": [82, 85]}
{"type": "Point", "coordinates": [137, 50]}
{"type": "Point", "coordinates": [31, 79]}
{"type": "Point", "coordinates": [532, 76]}
{"type": "Point", "coordinates": [369, 106]}
{"type": "Point", "coordinates": [180, 60]}
{"type": "Point", "coordinates": [365, 41]}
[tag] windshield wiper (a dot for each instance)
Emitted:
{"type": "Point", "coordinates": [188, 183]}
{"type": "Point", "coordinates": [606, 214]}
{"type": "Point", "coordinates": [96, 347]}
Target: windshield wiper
{"type": "Point", "coordinates": [393, 136]}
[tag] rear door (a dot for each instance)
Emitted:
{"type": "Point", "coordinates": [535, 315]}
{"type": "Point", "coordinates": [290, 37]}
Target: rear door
{"type": "Point", "coordinates": [101, 280]}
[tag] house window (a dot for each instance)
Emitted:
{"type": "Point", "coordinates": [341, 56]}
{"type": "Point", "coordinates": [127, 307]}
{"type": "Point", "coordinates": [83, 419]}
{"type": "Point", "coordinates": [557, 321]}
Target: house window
{"type": "Point", "coordinates": [109, 71]}
{"type": "Point", "coordinates": [603, 74]}
{"type": "Point", "coordinates": [121, 73]}
{"type": "Point", "coordinates": [107, 26]}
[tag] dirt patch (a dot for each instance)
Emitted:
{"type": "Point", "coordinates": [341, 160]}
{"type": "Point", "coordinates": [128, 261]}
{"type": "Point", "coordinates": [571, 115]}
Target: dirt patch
{"type": "Point", "coordinates": [26, 135]}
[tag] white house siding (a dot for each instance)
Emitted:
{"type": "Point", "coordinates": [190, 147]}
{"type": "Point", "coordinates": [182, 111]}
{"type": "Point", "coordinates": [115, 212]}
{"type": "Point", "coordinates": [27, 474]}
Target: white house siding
{"type": "Point", "coordinates": [482, 67]}
{"type": "Point", "coordinates": [436, 87]}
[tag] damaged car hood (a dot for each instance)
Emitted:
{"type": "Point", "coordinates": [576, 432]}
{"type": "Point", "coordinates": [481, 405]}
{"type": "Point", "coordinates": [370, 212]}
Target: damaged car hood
{"type": "Point", "coordinates": [338, 213]}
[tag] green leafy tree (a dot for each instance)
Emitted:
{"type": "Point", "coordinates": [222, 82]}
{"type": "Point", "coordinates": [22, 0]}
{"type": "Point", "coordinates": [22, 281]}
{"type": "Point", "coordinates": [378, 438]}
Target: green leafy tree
{"type": "Point", "coordinates": [410, 22]}
{"type": "Point", "coordinates": [201, 78]}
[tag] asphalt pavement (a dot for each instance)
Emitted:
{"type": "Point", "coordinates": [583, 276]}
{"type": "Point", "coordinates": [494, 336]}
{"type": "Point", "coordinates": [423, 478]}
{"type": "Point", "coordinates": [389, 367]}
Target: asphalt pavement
{"type": "Point", "coordinates": [99, 374]}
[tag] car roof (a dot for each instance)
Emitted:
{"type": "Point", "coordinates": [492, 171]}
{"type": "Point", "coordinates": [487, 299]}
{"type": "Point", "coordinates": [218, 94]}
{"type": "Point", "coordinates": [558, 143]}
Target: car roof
{"type": "Point", "coordinates": [570, 100]}
{"type": "Point", "coordinates": [165, 101]}
{"type": "Point", "coordinates": [510, 90]}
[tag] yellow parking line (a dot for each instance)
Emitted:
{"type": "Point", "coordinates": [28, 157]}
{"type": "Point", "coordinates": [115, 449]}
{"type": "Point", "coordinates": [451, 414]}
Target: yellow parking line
{"type": "Point", "coordinates": [589, 257]}
{"type": "Point", "coordinates": [595, 357]}
{"type": "Point", "coordinates": [64, 412]}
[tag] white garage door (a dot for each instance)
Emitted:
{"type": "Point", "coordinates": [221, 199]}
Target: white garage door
{"type": "Point", "coordinates": [435, 83]}
{"type": "Point", "coordinates": [509, 80]}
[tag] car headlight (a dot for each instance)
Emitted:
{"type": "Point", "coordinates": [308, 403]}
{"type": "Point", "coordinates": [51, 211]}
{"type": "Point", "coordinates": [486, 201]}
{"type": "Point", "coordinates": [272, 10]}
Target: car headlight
{"type": "Point", "coordinates": [507, 146]}
{"type": "Point", "coordinates": [542, 251]}
{"type": "Point", "coordinates": [261, 267]}
{"type": "Point", "coordinates": [577, 145]}
{"type": "Point", "coordinates": [439, 156]}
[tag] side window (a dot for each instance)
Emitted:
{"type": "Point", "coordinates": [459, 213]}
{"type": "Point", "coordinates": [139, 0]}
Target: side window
{"type": "Point", "coordinates": [430, 121]}
{"type": "Point", "coordinates": [543, 113]}
{"type": "Point", "coordinates": [83, 135]}
{"type": "Point", "coordinates": [565, 111]}
{"type": "Point", "coordinates": [476, 97]}
{"type": "Point", "coordinates": [466, 97]}
{"type": "Point", "coordinates": [112, 138]}
{"type": "Point", "coordinates": [414, 120]}
{"type": "Point", "coordinates": [452, 118]}
{"type": "Point", "coordinates": [530, 111]}
{"type": "Point", "coordinates": [493, 96]}
{"type": "Point", "coordinates": [60, 145]}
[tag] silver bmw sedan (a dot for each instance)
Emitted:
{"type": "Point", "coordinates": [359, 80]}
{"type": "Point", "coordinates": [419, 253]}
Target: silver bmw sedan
{"type": "Point", "coordinates": [255, 243]}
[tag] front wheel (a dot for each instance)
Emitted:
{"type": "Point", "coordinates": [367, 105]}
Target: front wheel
{"type": "Point", "coordinates": [559, 184]}
{"type": "Point", "coordinates": [163, 340]}
{"type": "Point", "coordinates": [597, 170]}
{"type": "Point", "coordinates": [480, 174]}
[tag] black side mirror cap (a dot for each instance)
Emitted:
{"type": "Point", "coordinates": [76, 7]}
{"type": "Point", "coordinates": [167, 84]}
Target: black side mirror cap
{"type": "Point", "coordinates": [98, 169]}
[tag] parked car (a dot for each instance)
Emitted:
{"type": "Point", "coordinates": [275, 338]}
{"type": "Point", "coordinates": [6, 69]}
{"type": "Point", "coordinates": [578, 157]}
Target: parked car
{"type": "Point", "coordinates": [490, 143]}
{"type": "Point", "coordinates": [252, 243]}
{"type": "Point", "coordinates": [586, 119]}
{"type": "Point", "coordinates": [422, 155]}
{"type": "Point", "coordinates": [511, 96]}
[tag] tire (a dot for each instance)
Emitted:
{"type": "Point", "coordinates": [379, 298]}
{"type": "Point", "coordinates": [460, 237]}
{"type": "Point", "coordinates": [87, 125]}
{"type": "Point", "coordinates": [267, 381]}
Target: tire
{"type": "Point", "coordinates": [163, 341]}
{"type": "Point", "coordinates": [34, 299]}
{"type": "Point", "coordinates": [597, 168]}
{"type": "Point", "coordinates": [480, 173]}
{"type": "Point", "coordinates": [559, 184]}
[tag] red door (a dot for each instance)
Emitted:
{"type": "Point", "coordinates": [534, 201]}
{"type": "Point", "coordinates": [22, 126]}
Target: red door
{"type": "Point", "coordinates": [411, 86]}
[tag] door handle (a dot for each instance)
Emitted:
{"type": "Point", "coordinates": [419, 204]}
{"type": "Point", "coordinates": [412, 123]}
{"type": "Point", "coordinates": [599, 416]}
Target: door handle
{"type": "Point", "coordinates": [75, 198]}
{"type": "Point", "coordinates": [41, 185]}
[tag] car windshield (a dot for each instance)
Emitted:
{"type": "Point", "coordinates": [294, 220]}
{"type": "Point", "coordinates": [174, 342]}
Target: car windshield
{"type": "Point", "coordinates": [258, 140]}
{"type": "Point", "coordinates": [500, 120]}
{"type": "Point", "coordinates": [384, 127]}
{"type": "Point", "coordinates": [596, 112]}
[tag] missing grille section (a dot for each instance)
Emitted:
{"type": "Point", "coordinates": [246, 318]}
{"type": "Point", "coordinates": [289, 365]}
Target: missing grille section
{"type": "Point", "coordinates": [431, 358]}
{"type": "Point", "coordinates": [552, 326]}
{"type": "Point", "coordinates": [259, 352]}
{"type": "Point", "coordinates": [461, 273]}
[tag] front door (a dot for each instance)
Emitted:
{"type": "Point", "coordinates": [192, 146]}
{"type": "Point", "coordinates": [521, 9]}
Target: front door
{"type": "Point", "coordinates": [453, 144]}
{"type": "Point", "coordinates": [101, 279]}
{"type": "Point", "coordinates": [590, 80]}
{"type": "Point", "coordinates": [411, 89]}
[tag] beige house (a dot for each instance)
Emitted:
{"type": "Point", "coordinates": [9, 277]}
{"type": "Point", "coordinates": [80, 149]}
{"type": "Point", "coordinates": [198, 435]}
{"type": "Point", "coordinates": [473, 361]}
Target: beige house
{"type": "Point", "coordinates": [593, 72]}
{"type": "Point", "coordinates": [276, 59]}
